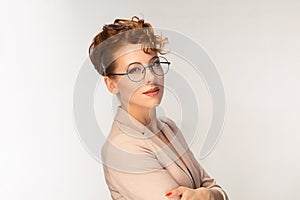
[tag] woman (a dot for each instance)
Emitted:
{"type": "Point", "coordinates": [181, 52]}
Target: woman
{"type": "Point", "coordinates": [144, 157]}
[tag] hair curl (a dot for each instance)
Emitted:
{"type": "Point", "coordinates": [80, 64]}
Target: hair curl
{"type": "Point", "coordinates": [122, 32]}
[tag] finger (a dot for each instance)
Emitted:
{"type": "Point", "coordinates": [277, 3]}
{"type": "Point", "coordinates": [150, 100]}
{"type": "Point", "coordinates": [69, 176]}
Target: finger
{"type": "Point", "coordinates": [176, 192]}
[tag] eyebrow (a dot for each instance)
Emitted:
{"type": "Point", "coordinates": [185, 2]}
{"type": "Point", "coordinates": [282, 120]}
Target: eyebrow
{"type": "Point", "coordinates": [140, 62]}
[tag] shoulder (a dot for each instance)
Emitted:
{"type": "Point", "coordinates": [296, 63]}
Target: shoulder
{"type": "Point", "coordinates": [170, 122]}
{"type": "Point", "coordinates": [123, 152]}
{"type": "Point", "coordinates": [124, 141]}
{"type": "Point", "coordinates": [118, 140]}
{"type": "Point", "coordinates": [177, 133]}
{"type": "Point", "coordinates": [173, 126]}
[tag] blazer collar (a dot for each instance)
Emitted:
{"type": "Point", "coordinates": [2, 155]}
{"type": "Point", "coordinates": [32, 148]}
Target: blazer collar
{"type": "Point", "coordinates": [133, 127]}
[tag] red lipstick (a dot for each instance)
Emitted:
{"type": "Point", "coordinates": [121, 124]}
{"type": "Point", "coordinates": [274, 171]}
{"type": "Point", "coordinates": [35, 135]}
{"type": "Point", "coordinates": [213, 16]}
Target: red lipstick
{"type": "Point", "coordinates": [152, 90]}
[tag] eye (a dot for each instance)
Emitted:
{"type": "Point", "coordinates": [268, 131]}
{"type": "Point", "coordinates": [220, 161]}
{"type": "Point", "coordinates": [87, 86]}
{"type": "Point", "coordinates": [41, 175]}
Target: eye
{"type": "Point", "coordinates": [134, 70]}
{"type": "Point", "coordinates": [156, 63]}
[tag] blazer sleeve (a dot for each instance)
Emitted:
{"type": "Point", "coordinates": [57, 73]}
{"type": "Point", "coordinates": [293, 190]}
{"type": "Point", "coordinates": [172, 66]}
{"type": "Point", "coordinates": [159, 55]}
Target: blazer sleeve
{"type": "Point", "coordinates": [208, 182]}
{"type": "Point", "coordinates": [205, 179]}
{"type": "Point", "coordinates": [134, 172]}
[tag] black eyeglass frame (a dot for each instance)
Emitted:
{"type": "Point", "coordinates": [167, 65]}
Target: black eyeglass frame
{"type": "Point", "coordinates": [149, 66]}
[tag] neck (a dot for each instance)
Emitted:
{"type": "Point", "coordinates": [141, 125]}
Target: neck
{"type": "Point", "coordinates": [147, 116]}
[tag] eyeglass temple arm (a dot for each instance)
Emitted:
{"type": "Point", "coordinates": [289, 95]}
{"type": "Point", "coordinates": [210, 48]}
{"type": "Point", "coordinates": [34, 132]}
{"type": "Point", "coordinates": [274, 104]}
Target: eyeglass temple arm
{"type": "Point", "coordinates": [116, 74]}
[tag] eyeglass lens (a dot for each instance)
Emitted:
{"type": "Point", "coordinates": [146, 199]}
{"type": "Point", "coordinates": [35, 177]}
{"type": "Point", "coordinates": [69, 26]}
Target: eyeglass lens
{"type": "Point", "coordinates": [159, 66]}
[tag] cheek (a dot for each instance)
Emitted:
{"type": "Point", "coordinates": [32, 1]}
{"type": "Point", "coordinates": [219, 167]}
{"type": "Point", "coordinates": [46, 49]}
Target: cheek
{"type": "Point", "coordinates": [160, 81]}
{"type": "Point", "coordinates": [128, 90]}
{"type": "Point", "coordinates": [133, 91]}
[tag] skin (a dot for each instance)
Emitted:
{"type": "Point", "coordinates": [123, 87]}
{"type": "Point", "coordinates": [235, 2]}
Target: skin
{"type": "Point", "coordinates": [130, 94]}
{"type": "Point", "coordinates": [201, 193]}
{"type": "Point", "coordinates": [143, 108]}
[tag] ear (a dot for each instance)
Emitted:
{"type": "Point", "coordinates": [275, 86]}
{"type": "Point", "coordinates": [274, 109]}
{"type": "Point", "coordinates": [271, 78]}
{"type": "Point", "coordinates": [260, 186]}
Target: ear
{"type": "Point", "coordinates": [111, 85]}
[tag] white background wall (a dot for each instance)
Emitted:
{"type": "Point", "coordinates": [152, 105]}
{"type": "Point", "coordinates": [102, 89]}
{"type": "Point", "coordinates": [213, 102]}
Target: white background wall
{"type": "Point", "coordinates": [254, 44]}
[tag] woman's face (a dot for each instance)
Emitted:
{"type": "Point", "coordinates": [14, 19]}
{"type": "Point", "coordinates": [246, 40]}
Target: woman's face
{"type": "Point", "coordinates": [132, 93]}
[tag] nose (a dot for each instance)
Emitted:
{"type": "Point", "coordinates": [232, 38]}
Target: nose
{"type": "Point", "coordinates": [149, 76]}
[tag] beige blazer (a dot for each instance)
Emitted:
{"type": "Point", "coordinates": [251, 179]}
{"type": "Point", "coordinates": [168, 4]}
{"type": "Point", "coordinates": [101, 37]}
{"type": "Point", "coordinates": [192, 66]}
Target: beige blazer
{"type": "Point", "coordinates": [139, 166]}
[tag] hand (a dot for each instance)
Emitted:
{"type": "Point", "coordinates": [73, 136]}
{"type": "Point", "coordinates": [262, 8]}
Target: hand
{"type": "Point", "coordinates": [185, 193]}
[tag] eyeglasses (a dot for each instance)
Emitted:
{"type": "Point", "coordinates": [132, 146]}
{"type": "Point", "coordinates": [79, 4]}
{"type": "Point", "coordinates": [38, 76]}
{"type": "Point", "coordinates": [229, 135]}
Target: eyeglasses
{"type": "Point", "coordinates": [136, 71]}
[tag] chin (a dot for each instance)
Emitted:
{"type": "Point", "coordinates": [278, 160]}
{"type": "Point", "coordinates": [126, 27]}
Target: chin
{"type": "Point", "coordinates": [152, 105]}
{"type": "Point", "coordinates": [148, 104]}
{"type": "Point", "coordinates": [145, 101]}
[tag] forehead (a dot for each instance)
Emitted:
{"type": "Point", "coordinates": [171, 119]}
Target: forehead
{"type": "Point", "coordinates": [139, 55]}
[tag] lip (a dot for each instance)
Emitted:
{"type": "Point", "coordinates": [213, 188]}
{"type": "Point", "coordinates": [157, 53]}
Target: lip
{"type": "Point", "coordinates": [155, 89]}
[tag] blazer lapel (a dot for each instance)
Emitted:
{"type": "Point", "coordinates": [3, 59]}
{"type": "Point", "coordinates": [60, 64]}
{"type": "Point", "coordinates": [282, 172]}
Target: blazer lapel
{"type": "Point", "coordinates": [168, 154]}
{"type": "Point", "coordinates": [184, 150]}
{"type": "Point", "coordinates": [174, 149]}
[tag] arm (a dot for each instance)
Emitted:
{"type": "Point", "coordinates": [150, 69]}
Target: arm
{"type": "Point", "coordinates": [217, 195]}
{"type": "Point", "coordinates": [201, 193]}
{"type": "Point", "coordinates": [153, 185]}
{"type": "Point", "coordinates": [208, 189]}
{"type": "Point", "coordinates": [207, 182]}
{"type": "Point", "coordinates": [133, 172]}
